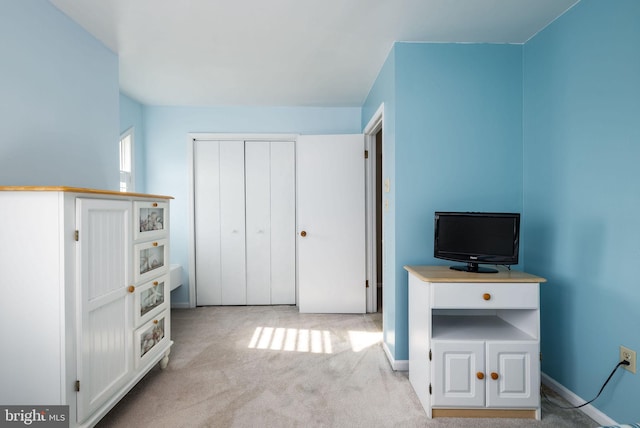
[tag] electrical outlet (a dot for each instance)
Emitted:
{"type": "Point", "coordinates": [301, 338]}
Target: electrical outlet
{"type": "Point", "coordinates": [629, 355]}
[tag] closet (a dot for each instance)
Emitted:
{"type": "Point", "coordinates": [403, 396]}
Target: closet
{"type": "Point", "coordinates": [244, 220]}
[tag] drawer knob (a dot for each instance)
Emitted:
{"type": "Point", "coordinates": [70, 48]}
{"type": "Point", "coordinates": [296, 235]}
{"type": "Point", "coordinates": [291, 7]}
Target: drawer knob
{"type": "Point", "coordinates": [486, 296]}
{"type": "Point", "coordinates": [494, 376]}
{"type": "Point", "coordinates": [155, 283]}
{"type": "Point", "coordinates": [480, 375]}
{"type": "Point", "coordinates": [156, 322]}
{"type": "Point", "coordinates": [303, 233]}
{"type": "Point", "coordinates": [155, 244]}
{"type": "Point", "coordinates": [155, 204]}
{"type": "Point", "coordinates": [131, 289]}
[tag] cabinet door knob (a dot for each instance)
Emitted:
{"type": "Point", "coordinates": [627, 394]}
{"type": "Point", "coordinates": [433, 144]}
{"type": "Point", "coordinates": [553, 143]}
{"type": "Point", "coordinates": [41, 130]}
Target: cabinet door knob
{"type": "Point", "coordinates": [494, 376]}
{"type": "Point", "coordinates": [155, 321]}
{"type": "Point", "coordinates": [155, 283]}
{"type": "Point", "coordinates": [155, 204]}
{"type": "Point", "coordinates": [155, 244]}
{"type": "Point", "coordinates": [480, 375]}
{"type": "Point", "coordinates": [131, 289]}
{"type": "Point", "coordinates": [303, 233]}
{"type": "Point", "coordinates": [486, 296]}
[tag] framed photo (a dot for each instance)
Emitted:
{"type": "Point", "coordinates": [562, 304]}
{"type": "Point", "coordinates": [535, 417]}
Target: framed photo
{"type": "Point", "coordinates": [150, 219]}
{"type": "Point", "coordinates": [150, 259]}
{"type": "Point", "coordinates": [150, 337]}
{"type": "Point", "coordinates": [151, 299]}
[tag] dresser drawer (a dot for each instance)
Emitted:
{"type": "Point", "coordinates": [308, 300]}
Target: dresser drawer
{"type": "Point", "coordinates": [485, 296]}
{"type": "Point", "coordinates": [150, 337]}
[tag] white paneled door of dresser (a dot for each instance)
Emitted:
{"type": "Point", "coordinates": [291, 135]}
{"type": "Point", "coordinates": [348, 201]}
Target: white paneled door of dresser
{"type": "Point", "coordinates": [105, 349]}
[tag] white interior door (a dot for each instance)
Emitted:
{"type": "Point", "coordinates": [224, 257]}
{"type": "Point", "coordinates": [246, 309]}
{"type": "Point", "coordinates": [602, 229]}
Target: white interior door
{"type": "Point", "coordinates": [331, 224]}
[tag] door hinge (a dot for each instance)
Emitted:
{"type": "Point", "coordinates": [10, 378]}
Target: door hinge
{"type": "Point", "coordinates": [366, 154]}
{"type": "Point", "coordinates": [430, 356]}
{"type": "Point", "coordinates": [367, 283]}
{"type": "Point", "coordinates": [77, 386]}
{"type": "Point", "coordinates": [430, 392]}
{"type": "Point", "coordinates": [76, 235]}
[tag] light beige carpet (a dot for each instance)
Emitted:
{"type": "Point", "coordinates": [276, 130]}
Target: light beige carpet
{"type": "Point", "coordinates": [270, 366]}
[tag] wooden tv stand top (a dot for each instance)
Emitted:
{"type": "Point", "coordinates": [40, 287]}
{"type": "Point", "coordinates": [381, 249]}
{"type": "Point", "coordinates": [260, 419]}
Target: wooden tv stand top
{"type": "Point", "coordinates": [444, 274]}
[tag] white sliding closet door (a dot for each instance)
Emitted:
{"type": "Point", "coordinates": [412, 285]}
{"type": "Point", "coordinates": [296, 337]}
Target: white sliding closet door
{"type": "Point", "coordinates": [258, 199]}
{"type": "Point", "coordinates": [283, 223]}
{"type": "Point", "coordinates": [232, 224]}
{"type": "Point", "coordinates": [270, 202]}
{"type": "Point", "coordinates": [244, 206]}
{"type": "Point", "coordinates": [207, 222]}
{"type": "Point", "coordinates": [219, 223]}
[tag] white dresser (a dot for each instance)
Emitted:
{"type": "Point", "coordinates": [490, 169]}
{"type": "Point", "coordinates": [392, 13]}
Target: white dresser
{"type": "Point", "coordinates": [474, 342]}
{"type": "Point", "coordinates": [84, 313]}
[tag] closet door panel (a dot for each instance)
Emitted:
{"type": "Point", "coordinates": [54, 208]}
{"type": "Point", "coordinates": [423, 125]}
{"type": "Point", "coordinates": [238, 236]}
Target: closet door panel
{"type": "Point", "coordinates": [258, 194]}
{"type": "Point", "coordinates": [207, 222]}
{"type": "Point", "coordinates": [232, 223]}
{"type": "Point", "coordinates": [283, 224]}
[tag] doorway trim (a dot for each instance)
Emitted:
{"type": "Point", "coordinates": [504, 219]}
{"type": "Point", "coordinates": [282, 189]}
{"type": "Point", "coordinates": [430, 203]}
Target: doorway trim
{"type": "Point", "coordinates": [375, 124]}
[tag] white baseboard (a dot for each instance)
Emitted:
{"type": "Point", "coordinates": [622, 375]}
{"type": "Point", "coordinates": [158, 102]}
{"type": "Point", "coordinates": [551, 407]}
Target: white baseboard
{"type": "Point", "coordinates": [396, 365]}
{"type": "Point", "coordinates": [575, 400]}
{"type": "Point", "coordinates": [180, 305]}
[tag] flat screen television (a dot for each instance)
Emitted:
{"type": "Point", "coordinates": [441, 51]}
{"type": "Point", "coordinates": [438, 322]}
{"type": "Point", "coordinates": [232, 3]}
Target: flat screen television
{"type": "Point", "coordinates": [477, 238]}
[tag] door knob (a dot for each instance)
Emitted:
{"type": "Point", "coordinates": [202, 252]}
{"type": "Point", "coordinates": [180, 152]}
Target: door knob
{"type": "Point", "coordinates": [494, 376]}
{"type": "Point", "coordinates": [480, 375]}
{"type": "Point", "coordinates": [303, 233]}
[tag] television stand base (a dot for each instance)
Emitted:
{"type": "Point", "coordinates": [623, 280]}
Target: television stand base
{"type": "Point", "coordinates": [473, 267]}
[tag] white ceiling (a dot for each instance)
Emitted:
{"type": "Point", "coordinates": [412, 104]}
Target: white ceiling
{"type": "Point", "coordinates": [285, 52]}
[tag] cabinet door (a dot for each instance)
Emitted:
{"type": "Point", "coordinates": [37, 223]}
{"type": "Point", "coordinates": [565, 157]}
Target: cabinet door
{"type": "Point", "coordinates": [454, 376]}
{"type": "Point", "coordinates": [516, 367]}
{"type": "Point", "coordinates": [105, 327]}
{"type": "Point", "coordinates": [258, 207]}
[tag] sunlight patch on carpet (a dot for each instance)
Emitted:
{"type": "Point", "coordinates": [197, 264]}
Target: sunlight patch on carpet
{"type": "Point", "coordinates": [292, 340]}
{"type": "Point", "coordinates": [361, 340]}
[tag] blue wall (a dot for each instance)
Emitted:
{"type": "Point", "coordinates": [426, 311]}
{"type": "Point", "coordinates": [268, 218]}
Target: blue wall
{"type": "Point", "coordinates": [581, 195]}
{"type": "Point", "coordinates": [131, 116]}
{"type": "Point", "coordinates": [166, 130]}
{"type": "Point", "coordinates": [455, 144]}
{"type": "Point", "coordinates": [59, 107]}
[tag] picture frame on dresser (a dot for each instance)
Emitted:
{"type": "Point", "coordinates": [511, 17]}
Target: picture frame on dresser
{"type": "Point", "coordinates": [151, 337]}
{"type": "Point", "coordinates": [149, 220]}
{"type": "Point", "coordinates": [151, 299]}
{"type": "Point", "coordinates": [150, 259]}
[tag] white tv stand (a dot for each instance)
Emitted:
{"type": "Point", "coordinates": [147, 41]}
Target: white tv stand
{"type": "Point", "coordinates": [474, 342]}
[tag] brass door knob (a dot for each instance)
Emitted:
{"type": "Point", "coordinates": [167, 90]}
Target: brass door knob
{"type": "Point", "coordinates": [131, 289]}
{"type": "Point", "coordinates": [480, 375]}
{"type": "Point", "coordinates": [155, 283]}
{"type": "Point", "coordinates": [494, 376]}
{"type": "Point", "coordinates": [486, 296]}
{"type": "Point", "coordinates": [303, 233]}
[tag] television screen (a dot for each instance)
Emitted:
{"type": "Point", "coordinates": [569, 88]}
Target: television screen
{"type": "Point", "coordinates": [475, 238]}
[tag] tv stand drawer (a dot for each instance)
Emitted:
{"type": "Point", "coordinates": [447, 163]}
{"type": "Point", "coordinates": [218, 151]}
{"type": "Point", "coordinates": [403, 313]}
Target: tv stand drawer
{"type": "Point", "coordinates": [485, 296]}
